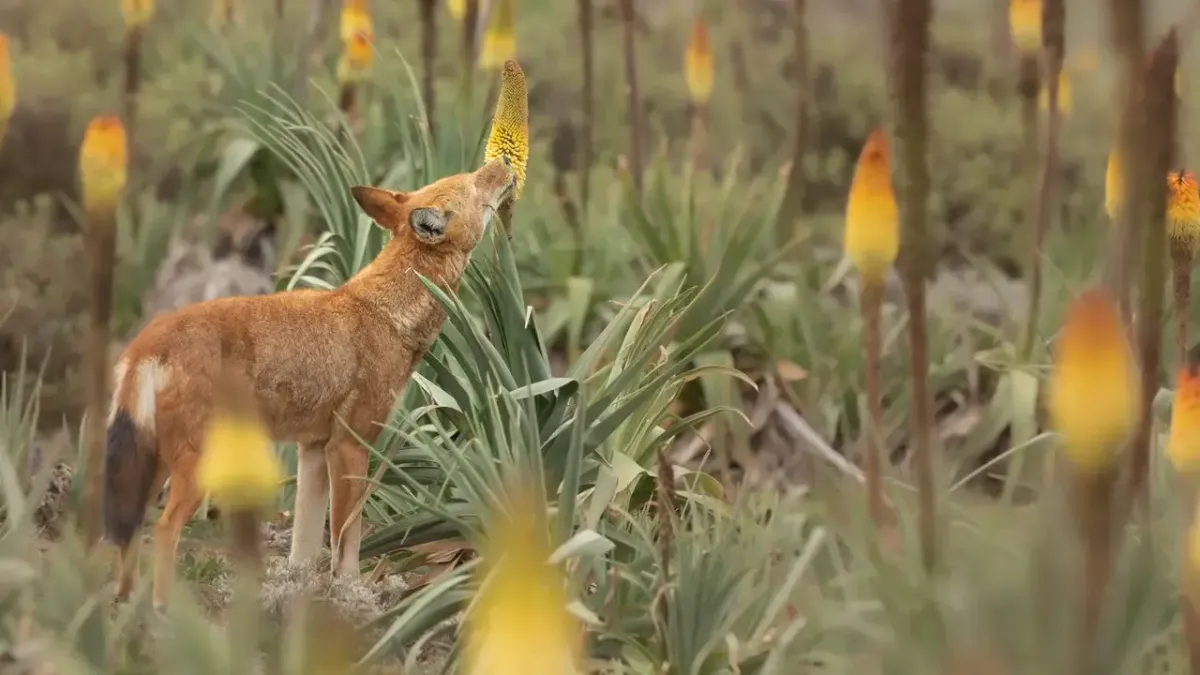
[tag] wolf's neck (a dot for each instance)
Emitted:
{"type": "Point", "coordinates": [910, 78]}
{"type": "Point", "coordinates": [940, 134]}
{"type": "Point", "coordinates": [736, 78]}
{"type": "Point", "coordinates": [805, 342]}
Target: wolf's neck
{"type": "Point", "coordinates": [390, 284]}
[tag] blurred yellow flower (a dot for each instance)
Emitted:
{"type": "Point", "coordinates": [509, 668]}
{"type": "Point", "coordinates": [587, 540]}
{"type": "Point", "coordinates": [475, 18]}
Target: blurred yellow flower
{"type": "Point", "coordinates": [355, 20]}
{"type": "Point", "coordinates": [224, 11]}
{"type": "Point", "coordinates": [8, 86]}
{"type": "Point", "coordinates": [137, 13]}
{"type": "Point", "coordinates": [1183, 207]}
{"type": "Point", "coordinates": [103, 164]}
{"type": "Point", "coordinates": [698, 64]}
{"type": "Point", "coordinates": [499, 40]}
{"type": "Point", "coordinates": [354, 66]}
{"type": "Point", "coordinates": [1025, 23]}
{"type": "Point", "coordinates": [1114, 183]}
{"type": "Point", "coordinates": [1192, 561]}
{"type": "Point", "coordinates": [1064, 95]}
{"type": "Point", "coordinates": [458, 9]}
{"type": "Point", "coordinates": [510, 123]}
{"type": "Point", "coordinates": [1093, 392]}
{"type": "Point", "coordinates": [238, 467]}
{"type": "Point", "coordinates": [1183, 443]}
{"type": "Point", "coordinates": [519, 623]}
{"type": "Point", "coordinates": [872, 237]}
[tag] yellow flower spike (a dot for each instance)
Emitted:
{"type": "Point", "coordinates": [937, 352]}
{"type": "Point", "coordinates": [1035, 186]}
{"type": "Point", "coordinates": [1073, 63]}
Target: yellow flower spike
{"type": "Point", "coordinates": [457, 8]}
{"type": "Point", "coordinates": [1025, 23]}
{"type": "Point", "coordinates": [354, 66]}
{"type": "Point", "coordinates": [698, 64]}
{"type": "Point", "coordinates": [355, 20]}
{"type": "Point", "coordinates": [1183, 207]}
{"type": "Point", "coordinates": [103, 164]}
{"type": "Point", "coordinates": [137, 13]}
{"type": "Point", "coordinates": [1064, 95]}
{"type": "Point", "coordinates": [872, 237]}
{"type": "Point", "coordinates": [499, 40]}
{"type": "Point", "coordinates": [1183, 442]}
{"type": "Point", "coordinates": [238, 467]}
{"type": "Point", "coordinates": [1114, 183]}
{"type": "Point", "coordinates": [1092, 397]}
{"type": "Point", "coordinates": [519, 623]}
{"type": "Point", "coordinates": [8, 87]}
{"type": "Point", "coordinates": [510, 123]}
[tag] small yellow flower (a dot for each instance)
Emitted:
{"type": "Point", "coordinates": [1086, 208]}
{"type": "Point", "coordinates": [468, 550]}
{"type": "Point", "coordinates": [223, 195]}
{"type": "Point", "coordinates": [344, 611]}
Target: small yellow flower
{"type": "Point", "coordinates": [1025, 23]}
{"type": "Point", "coordinates": [1064, 95]}
{"type": "Point", "coordinates": [8, 87]}
{"type": "Point", "coordinates": [356, 20]}
{"type": "Point", "coordinates": [354, 66]}
{"type": "Point", "coordinates": [872, 237]}
{"type": "Point", "coordinates": [698, 64]}
{"type": "Point", "coordinates": [457, 8]}
{"type": "Point", "coordinates": [519, 623]}
{"type": "Point", "coordinates": [499, 40]}
{"type": "Point", "coordinates": [103, 164]}
{"type": "Point", "coordinates": [510, 123]}
{"type": "Point", "coordinates": [1114, 183]}
{"type": "Point", "coordinates": [224, 12]}
{"type": "Point", "coordinates": [137, 13]}
{"type": "Point", "coordinates": [1183, 442]}
{"type": "Point", "coordinates": [1093, 392]}
{"type": "Point", "coordinates": [1183, 207]}
{"type": "Point", "coordinates": [238, 467]}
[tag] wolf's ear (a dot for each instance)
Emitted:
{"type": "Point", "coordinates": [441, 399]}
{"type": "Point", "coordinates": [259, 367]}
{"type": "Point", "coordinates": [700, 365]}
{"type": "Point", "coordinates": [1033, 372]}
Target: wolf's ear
{"type": "Point", "coordinates": [385, 207]}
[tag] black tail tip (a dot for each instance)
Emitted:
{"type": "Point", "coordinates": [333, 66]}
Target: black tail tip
{"type": "Point", "coordinates": [128, 472]}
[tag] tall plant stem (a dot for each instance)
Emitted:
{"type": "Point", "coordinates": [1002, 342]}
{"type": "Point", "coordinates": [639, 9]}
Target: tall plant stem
{"type": "Point", "coordinates": [429, 60]}
{"type": "Point", "coordinates": [1156, 144]}
{"type": "Point", "coordinates": [911, 44]}
{"type": "Point", "coordinates": [1181, 276]}
{"type": "Point", "coordinates": [100, 238]}
{"type": "Point", "coordinates": [629, 21]}
{"type": "Point", "coordinates": [588, 103]}
{"type": "Point", "coordinates": [247, 559]}
{"type": "Point", "coordinates": [1045, 195]}
{"type": "Point", "coordinates": [470, 27]}
{"type": "Point", "coordinates": [1094, 516]}
{"type": "Point", "coordinates": [793, 197]}
{"type": "Point", "coordinates": [129, 104]}
{"type": "Point", "coordinates": [871, 303]}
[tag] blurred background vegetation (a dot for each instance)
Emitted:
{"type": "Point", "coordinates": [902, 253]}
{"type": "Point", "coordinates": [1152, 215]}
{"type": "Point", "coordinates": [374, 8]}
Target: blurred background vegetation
{"type": "Point", "coordinates": [695, 346]}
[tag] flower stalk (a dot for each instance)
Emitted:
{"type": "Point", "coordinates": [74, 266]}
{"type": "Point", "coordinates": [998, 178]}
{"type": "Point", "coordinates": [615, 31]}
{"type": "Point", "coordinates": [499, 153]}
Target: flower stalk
{"type": "Point", "coordinates": [1183, 233]}
{"type": "Point", "coordinates": [793, 196]}
{"type": "Point", "coordinates": [1053, 35]}
{"type": "Point", "coordinates": [911, 45]}
{"type": "Point", "coordinates": [103, 171]}
{"type": "Point", "coordinates": [629, 25]}
{"type": "Point", "coordinates": [238, 468]}
{"type": "Point", "coordinates": [429, 61]}
{"type": "Point", "coordinates": [698, 75]}
{"type": "Point", "coordinates": [354, 64]}
{"type": "Point", "coordinates": [871, 242]}
{"type": "Point", "coordinates": [1092, 401]}
{"type": "Point", "coordinates": [8, 88]}
{"type": "Point", "coordinates": [588, 95]}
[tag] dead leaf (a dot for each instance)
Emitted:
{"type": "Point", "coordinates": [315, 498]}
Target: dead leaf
{"type": "Point", "coordinates": [790, 371]}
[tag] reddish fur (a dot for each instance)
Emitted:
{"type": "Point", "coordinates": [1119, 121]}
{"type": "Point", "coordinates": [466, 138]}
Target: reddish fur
{"type": "Point", "coordinates": [311, 356]}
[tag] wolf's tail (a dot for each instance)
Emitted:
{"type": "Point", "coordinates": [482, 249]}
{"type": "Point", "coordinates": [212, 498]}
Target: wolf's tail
{"type": "Point", "coordinates": [130, 464]}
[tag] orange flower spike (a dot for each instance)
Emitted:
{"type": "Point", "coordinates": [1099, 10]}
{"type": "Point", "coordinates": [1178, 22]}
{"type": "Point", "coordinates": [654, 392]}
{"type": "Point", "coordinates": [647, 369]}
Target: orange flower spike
{"type": "Point", "coordinates": [1025, 23]}
{"type": "Point", "coordinates": [1093, 395]}
{"type": "Point", "coordinates": [356, 19]}
{"type": "Point", "coordinates": [355, 64]}
{"type": "Point", "coordinates": [872, 237]}
{"type": "Point", "coordinates": [137, 13]}
{"type": "Point", "coordinates": [1183, 443]}
{"type": "Point", "coordinates": [8, 87]}
{"type": "Point", "coordinates": [499, 40]}
{"type": "Point", "coordinates": [1114, 184]}
{"type": "Point", "coordinates": [698, 64]}
{"type": "Point", "coordinates": [103, 163]}
{"type": "Point", "coordinates": [1183, 207]}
